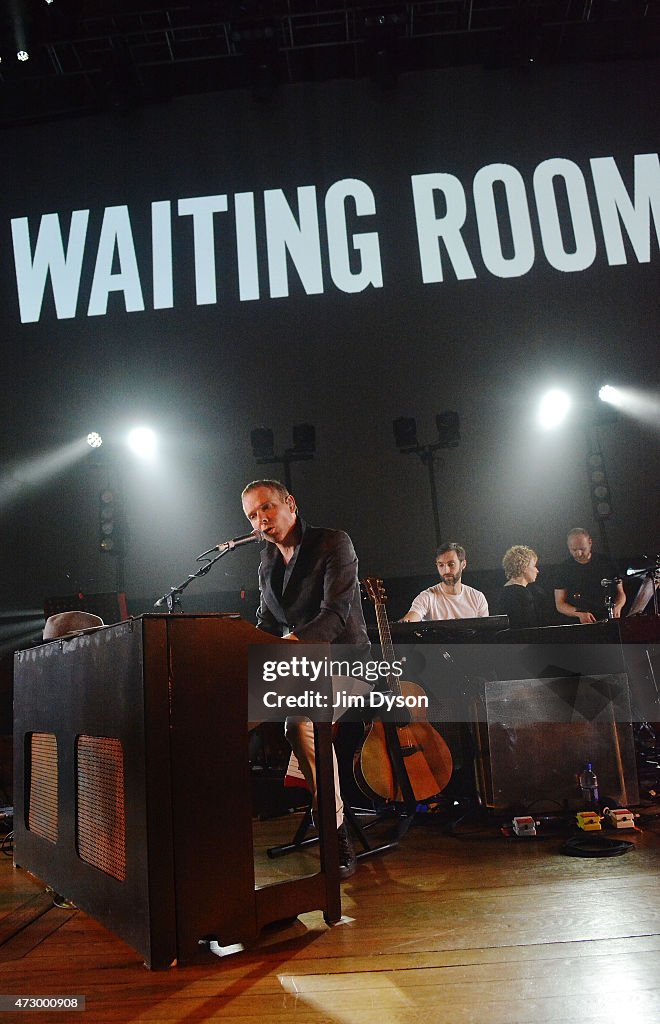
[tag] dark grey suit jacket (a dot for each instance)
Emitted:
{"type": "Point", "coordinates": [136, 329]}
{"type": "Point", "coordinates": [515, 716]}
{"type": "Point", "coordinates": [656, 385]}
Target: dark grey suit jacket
{"type": "Point", "coordinates": [321, 598]}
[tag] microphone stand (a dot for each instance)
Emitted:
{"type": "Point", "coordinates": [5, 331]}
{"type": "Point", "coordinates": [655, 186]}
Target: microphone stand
{"type": "Point", "coordinates": [172, 599]}
{"type": "Point", "coordinates": [609, 596]}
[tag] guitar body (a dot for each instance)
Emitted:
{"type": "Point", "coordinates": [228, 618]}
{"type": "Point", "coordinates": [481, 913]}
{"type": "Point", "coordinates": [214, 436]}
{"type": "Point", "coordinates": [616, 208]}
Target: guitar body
{"type": "Point", "coordinates": [426, 757]}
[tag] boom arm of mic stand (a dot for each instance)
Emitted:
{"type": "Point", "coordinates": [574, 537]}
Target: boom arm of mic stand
{"type": "Point", "coordinates": [173, 598]}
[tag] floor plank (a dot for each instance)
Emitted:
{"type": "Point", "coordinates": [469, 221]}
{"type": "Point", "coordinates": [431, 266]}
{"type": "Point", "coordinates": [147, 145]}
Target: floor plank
{"type": "Point", "coordinates": [442, 930]}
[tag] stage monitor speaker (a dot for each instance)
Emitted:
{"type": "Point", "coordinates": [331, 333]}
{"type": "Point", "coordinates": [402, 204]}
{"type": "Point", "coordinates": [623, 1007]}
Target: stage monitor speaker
{"type": "Point", "coordinates": [111, 607]}
{"type": "Point", "coordinates": [535, 735]}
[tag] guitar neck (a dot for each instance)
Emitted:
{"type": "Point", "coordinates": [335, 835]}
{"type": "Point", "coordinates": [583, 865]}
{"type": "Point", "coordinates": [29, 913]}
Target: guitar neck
{"type": "Point", "coordinates": [385, 636]}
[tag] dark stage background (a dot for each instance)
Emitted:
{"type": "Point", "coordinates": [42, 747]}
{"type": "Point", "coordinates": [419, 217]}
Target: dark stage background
{"type": "Point", "coordinates": [204, 375]}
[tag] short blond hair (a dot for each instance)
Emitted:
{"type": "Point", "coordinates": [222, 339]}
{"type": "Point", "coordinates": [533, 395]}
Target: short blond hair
{"type": "Point", "coordinates": [517, 559]}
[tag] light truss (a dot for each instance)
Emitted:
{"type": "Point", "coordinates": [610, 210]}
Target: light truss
{"type": "Point", "coordinates": [176, 48]}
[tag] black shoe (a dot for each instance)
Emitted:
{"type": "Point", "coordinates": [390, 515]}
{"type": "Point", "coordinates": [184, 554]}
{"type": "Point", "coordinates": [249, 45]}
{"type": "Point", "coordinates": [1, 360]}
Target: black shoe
{"type": "Point", "coordinates": [347, 858]}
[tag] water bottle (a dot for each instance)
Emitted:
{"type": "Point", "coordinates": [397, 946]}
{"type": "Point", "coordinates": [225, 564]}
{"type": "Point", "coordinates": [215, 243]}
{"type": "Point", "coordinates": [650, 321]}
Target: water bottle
{"type": "Point", "coordinates": [589, 786]}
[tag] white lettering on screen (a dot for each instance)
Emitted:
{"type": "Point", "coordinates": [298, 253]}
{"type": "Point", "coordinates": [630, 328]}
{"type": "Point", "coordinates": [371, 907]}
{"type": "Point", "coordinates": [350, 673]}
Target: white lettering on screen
{"type": "Point", "coordinates": [315, 240]}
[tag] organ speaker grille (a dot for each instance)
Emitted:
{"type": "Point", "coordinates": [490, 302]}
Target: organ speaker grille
{"type": "Point", "coordinates": [100, 806]}
{"type": "Point", "coordinates": [41, 764]}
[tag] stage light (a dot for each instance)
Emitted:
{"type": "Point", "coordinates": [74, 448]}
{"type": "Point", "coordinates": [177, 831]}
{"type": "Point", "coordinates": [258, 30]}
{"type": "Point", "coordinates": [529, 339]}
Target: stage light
{"type": "Point", "coordinates": [36, 470]}
{"type": "Point", "coordinates": [610, 394]}
{"type": "Point", "coordinates": [601, 497]}
{"type": "Point", "coordinates": [304, 447]}
{"type": "Point", "coordinates": [109, 523]}
{"type": "Point", "coordinates": [94, 439]}
{"type": "Point", "coordinates": [23, 55]}
{"type": "Point", "coordinates": [263, 443]}
{"type": "Point", "coordinates": [449, 436]}
{"type": "Point", "coordinates": [304, 439]}
{"type": "Point", "coordinates": [448, 425]}
{"type": "Point", "coordinates": [405, 433]}
{"type": "Point", "coordinates": [633, 403]}
{"type": "Point", "coordinates": [142, 442]}
{"type": "Point", "coordinates": [554, 408]}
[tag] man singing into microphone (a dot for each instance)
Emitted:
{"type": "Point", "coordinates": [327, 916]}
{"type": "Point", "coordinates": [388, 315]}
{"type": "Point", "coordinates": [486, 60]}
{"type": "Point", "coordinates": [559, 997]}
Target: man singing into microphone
{"type": "Point", "coordinates": [309, 591]}
{"type": "Point", "coordinates": [585, 580]}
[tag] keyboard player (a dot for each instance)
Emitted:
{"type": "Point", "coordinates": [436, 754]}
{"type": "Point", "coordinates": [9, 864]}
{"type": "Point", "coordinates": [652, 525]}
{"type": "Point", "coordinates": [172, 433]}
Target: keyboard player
{"type": "Point", "coordinates": [586, 580]}
{"type": "Point", "coordinates": [450, 598]}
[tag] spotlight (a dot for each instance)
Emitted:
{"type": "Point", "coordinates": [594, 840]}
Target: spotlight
{"type": "Point", "coordinates": [633, 402]}
{"type": "Point", "coordinates": [554, 408]}
{"type": "Point", "coordinates": [23, 55]}
{"type": "Point", "coordinates": [142, 442]}
{"type": "Point", "coordinates": [610, 394]}
{"type": "Point", "coordinates": [94, 439]}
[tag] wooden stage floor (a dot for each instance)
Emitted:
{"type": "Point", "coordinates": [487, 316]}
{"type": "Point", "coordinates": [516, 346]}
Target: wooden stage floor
{"type": "Point", "coordinates": [455, 928]}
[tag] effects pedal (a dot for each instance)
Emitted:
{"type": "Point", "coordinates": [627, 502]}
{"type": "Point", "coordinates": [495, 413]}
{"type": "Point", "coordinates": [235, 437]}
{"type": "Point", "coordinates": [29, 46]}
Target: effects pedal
{"type": "Point", "coordinates": [524, 826]}
{"type": "Point", "coordinates": [619, 817]}
{"type": "Point", "coordinates": [589, 821]}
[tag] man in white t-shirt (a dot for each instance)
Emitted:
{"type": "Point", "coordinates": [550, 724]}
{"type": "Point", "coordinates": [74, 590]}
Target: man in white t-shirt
{"type": "Point", "coordinates": [450, 598]}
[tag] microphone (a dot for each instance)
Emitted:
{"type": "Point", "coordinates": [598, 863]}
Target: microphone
{"type": "Point", "coordinates": [647, 568]}
{"type": "Point", "coordinates": [237, 542]}
{"type": "Point", "coordinates": [229, 545]}
{"type": "Point", "coordinates": [608, 583]}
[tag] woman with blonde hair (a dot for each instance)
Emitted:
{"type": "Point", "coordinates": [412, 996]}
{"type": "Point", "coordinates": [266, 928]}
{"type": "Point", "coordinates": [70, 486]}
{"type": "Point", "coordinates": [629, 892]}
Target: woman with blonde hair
{"type": "Point", "coordinates": [515, 599]}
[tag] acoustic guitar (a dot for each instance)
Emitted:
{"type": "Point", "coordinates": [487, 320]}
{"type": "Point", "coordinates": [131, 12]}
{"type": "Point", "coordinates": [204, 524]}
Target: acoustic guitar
{"type": "Point", "coordinates": [425, 755]}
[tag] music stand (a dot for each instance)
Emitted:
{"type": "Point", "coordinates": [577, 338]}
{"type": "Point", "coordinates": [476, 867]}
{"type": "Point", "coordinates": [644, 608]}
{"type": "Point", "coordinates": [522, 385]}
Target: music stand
{"type": "Point", "coordinates": [648, 590]}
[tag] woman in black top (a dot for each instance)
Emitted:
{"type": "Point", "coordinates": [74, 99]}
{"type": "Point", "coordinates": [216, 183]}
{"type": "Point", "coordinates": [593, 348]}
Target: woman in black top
{"type": "Point", "coordinates": [517, 599]}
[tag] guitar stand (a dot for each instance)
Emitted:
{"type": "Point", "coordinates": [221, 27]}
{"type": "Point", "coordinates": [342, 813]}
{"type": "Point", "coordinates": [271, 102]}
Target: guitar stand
{"type": "Point", "coordinates": [300, 840]}
{"type": "Point", "coordinates": [404, 811]}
